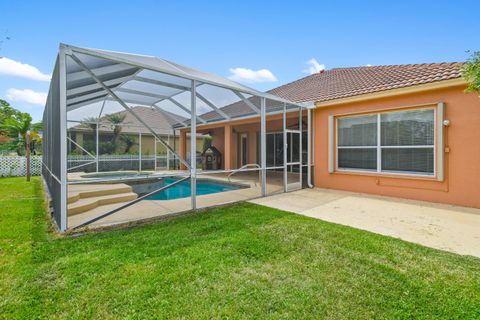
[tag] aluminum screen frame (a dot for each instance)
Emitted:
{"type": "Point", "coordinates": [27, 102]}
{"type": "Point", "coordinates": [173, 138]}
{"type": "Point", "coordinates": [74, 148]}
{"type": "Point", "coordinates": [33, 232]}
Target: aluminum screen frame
{"type": "Point", "coordinates": [125, 67]}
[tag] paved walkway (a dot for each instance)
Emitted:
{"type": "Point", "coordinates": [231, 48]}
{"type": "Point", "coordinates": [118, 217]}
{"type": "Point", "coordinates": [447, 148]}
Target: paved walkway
{"type": "Point", "coordinates": [445, 227]}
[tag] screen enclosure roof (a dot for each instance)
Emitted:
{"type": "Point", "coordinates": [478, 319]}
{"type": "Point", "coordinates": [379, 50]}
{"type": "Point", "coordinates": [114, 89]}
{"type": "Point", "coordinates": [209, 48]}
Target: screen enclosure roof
{"type": "Point", "coordinates": [157, 83]}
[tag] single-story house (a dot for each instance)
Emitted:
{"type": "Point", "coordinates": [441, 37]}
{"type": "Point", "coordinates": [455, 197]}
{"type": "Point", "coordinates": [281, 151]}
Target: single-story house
{"type": "Point", "coordinates": [83, 135]}
{"type": "Point", "coordinates": [406, 131]}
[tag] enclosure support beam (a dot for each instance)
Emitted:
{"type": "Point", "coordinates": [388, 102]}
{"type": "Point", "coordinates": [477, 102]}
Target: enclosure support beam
{"type": "Point", "coordinates": [91, 87]}
{"type": "Point", "coordinates": [263, 147]}
{"type": "Point", "coordinates": [140, 151]}
{"type": "Point", "coordinates": [97, 148]}
{"type": "Point", "coordinates": [168, 153]}
{"type": "Point", "coordinates": [97, 128]}
{"type": "Point", "coordinates": [117, 84]}
{"type": "Point", "coordinates": [63, 138]}
{"type": "Point", "coordinates": [123, 104]}
{"type": "Point", "coordinates": [247, 102]}
{"type": "Point", "coordinates": [309, 148]}
{"type": "Point", "coordinates": [176, 94]}
{"type": "Point", "coordinates": [81, 148]}
{"type": "Point", "coordinates": [300, 127]}
{"type": "Point", "coordinates": [163, 112]}
{"type": "Point", "coordinates": [174, 148]}
{"type": "Point", "coordinates": [101, 71]}
{"type": "Point", "coordinates": [155, 153]}
{"type": "Point", "coordinates": [214, 107]}
{"type": "Point", "coordinates": [161, 83]}
{"type": "Point", "coordinates": [140, 93]}
{"type": "Point", "coordinates": [285, 147]}
{"type": "Point", "coordinates": [181, 106]}
{"type": "Point", "coordinates": [193, 146]}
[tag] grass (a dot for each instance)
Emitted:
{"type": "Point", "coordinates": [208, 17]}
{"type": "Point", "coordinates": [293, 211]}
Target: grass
{"type": "Point", "coordinates": [242, 261]}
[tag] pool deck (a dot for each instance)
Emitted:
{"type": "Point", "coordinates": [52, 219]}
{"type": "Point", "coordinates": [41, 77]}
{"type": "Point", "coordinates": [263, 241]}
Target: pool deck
{"type": "Point", "coordinates": [149, 209]}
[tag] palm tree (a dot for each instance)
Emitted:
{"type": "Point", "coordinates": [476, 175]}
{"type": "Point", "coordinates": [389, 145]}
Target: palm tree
{"type": "Point", "coordinates": [17, 127]}
{"type": "Point", "coordinates": [116, 120]}
{"type": "Point", "coordinates": [129, 142]}
{"type": "Point", "coordinates": [90, 122]}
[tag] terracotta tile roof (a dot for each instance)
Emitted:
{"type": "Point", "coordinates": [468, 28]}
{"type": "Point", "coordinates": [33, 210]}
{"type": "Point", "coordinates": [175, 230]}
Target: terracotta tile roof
{"type": "Point", "coordinates": [346, 82]}
{"type": "Point", "coordinates": [161, 122]}
{"type": "Point", "coordinates": [328, 85]}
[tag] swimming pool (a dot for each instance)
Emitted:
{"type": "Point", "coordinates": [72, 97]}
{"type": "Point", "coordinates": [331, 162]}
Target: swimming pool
{"type": "Point", "coordinates": [183, 189]}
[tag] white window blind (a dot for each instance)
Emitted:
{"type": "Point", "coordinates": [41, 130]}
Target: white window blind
{"type": "Point", "coordinates": [395, 142]}
{"type": "Point", "coordinates": [357, 142]}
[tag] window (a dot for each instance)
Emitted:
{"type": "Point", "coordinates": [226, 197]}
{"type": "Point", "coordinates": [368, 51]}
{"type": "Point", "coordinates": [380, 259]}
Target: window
{"type": "Point", "coordinates": [392, 142]}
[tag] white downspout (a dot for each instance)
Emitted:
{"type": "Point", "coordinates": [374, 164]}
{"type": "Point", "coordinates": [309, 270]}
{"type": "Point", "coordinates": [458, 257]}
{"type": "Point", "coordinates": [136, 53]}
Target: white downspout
{"type": "Point", "coordinates": [309, 148]}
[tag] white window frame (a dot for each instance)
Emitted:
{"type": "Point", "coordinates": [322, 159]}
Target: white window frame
{"type": "Point", "coordinates": [379, 147]}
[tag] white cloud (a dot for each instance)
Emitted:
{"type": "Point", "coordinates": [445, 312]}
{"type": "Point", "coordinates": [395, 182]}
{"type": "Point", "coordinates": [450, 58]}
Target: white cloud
{"type": "Point", "coordinates": [314, 66]}
{"type": "Point", "coordinates": [11, 67]}
{"type": "Point", "coordinates": [251, 76]}
{"type": "Point", "coordinates": [27, 95]}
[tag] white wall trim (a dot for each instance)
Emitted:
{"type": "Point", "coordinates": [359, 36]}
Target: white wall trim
{"type": "Point", "coordinates": [440, 142]}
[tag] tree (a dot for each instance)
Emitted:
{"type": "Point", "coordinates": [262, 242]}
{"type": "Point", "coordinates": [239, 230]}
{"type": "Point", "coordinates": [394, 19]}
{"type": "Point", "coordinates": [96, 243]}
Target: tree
{"type": "Point", "coordinates": [471, 72]}
{"type": "Point", "coordinates": [129, 142]}
{"type": "Point", "coordinates": [16, 127]}
{"type": "Point", "coordinates": [116, 120]}
{"type": "Point", "coordinates": [207, 143]}
{"type": "Point", "coordinates": [90, 122]}
{"type": "Point", "coordinates": [6, 111]}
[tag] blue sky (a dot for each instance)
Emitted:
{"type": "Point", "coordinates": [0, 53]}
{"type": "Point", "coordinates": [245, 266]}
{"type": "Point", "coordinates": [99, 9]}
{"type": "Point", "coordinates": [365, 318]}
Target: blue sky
{"type": "Point", "coordinates": [224, 35]}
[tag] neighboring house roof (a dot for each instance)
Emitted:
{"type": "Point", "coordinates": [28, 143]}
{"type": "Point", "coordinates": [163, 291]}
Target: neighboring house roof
{"type": "Point", "coordinates": [347, 82]}
{"type": "Point", "coordinates": [160, 122]}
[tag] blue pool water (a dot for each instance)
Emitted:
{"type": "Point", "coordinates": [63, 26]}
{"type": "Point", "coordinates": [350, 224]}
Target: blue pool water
{"type": "Point", "coordinates": [183, 189]}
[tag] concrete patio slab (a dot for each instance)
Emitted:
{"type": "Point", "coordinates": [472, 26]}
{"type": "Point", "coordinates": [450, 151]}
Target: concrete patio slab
{"type": "Point", "coordinates": [445, 227]}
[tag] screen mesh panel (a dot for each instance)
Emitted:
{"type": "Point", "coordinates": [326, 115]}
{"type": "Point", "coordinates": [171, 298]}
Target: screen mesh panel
{"type": "Point", "coordinates": [51, 145]}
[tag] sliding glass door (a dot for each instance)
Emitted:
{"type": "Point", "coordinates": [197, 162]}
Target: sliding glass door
{"type": "Point", "coordinates": [293, 168]}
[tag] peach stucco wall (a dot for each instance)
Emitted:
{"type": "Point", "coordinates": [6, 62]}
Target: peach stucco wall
{"type": "Point", "coordinates": [226, 137]}
{"type": "Point", "coordinates": [461, 185]}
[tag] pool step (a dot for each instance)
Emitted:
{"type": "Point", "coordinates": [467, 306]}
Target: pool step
{"type": "Point", "coordinates": [85, 197]}
{"type": "Point", "coordinates": [87, 204]}
{"type": "Point", "coordinates": [82, 191]}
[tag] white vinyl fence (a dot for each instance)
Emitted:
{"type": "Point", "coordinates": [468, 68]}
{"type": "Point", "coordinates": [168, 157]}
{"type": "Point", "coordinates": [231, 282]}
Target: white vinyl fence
{"type": "Point", "coordinates": [16, 166]}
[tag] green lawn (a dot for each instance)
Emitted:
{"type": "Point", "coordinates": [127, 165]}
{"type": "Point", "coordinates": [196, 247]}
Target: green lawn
{"type": "Point", "coordinates": [242, 261]}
